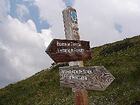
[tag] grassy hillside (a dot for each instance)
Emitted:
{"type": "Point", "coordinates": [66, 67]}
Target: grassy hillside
{"type": "Point", "coordinates": [122, 59]}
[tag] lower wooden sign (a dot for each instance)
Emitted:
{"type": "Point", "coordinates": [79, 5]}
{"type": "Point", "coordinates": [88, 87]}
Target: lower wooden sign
{"type": "Point", "coordinates": [90, 78]}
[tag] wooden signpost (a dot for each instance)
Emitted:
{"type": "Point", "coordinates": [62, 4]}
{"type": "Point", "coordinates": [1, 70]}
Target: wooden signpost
{"type": "Point", "coordinates": [69, 50]}
{"type": "Point", "coordinates": [74, 51]}
{"type": "Point", "coordinates": [89, 78]}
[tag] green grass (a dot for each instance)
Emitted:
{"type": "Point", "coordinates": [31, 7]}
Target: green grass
{"type": "Point", "coordinates": [44, 89]}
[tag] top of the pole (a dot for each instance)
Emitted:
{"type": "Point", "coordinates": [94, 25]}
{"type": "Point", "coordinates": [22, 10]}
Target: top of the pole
{"type": "Point", "coordinates": [71, 23]}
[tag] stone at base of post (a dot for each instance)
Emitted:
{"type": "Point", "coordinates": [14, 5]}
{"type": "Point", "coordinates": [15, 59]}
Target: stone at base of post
{"type": "Point", "coordinates": [81, 96]}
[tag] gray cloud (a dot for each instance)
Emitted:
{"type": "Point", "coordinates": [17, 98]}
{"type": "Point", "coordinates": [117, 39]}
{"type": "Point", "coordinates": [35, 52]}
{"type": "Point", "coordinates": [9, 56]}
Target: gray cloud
{"type": "Point", "coordinates": [7, 74]}
{"type": "Point", "coordinates": [4, 9]}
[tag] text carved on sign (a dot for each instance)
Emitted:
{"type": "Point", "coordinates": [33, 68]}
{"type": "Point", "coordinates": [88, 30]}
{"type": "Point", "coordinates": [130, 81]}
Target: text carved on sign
{"type": "Point", "coordinates": [69, 50]}
{"type": "Point", "coordinates": [90, 78]}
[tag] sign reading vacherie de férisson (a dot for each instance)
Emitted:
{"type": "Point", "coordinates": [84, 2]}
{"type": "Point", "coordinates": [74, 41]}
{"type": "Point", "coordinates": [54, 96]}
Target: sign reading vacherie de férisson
{"type": "Point", "coordinates": [90, 78]}
{"type": "Point", "coordinates": [69, 50]}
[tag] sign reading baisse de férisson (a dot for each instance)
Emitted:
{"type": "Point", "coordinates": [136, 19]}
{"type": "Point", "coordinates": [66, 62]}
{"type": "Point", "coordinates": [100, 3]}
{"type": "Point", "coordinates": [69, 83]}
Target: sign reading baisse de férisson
{"type": "Point", "coordinates": [90, 78]}
{"type": "Point", "coordinates": [69, 50]}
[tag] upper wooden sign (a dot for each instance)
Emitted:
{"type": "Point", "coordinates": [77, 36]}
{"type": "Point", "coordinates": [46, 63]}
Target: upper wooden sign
{"type": "Point", "coordinates": [90, 78]}
{"type": "Point", "coordinates": [69, 50]}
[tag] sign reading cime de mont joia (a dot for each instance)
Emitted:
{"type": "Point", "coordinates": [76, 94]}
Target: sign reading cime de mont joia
{"type": "Point", "coordinates": [69, 50]}
{"type": "Point", "coordinates": [90, 78]}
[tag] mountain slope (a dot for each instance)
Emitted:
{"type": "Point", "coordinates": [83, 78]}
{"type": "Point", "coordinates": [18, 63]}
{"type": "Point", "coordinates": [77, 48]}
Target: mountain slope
{"type": "Point", "coordinates": [121, 58]}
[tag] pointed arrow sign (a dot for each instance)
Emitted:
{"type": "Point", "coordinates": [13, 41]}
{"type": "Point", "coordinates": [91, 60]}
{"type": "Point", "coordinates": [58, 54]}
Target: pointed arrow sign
{"type": "Point", "coordinates": [90, 78]}
{"type": "Point", "coordinates": [69, 50]}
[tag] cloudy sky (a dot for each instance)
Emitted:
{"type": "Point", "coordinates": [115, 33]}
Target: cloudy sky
{"type": "Point", "coordinates": [28, 26]}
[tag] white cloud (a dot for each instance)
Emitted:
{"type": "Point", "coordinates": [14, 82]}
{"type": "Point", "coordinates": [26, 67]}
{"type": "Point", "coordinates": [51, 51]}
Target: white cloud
{"type": "Point", "coordinates": [51, 10]}
{"type": "Point", "coordinates": [23, 49]}
{"type": "Point", "coordinates": [97, 18]}
{"type": "Point", "coordinates": [45, 38]}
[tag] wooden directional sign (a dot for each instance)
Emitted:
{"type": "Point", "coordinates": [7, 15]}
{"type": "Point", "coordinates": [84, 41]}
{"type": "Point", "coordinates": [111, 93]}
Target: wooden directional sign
{"type": "Point", "coordinates": [90, 78]}
{"type": "Point", "coordinates": [69, 50]}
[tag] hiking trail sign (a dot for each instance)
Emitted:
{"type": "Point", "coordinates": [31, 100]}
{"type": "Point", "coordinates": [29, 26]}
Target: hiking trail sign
{"type": "Point", "coordinates": [89, 78]}
{"type": "Point", "coordinates": [69, 50]}
{"type": "Point", "coordinates": [74, 51]}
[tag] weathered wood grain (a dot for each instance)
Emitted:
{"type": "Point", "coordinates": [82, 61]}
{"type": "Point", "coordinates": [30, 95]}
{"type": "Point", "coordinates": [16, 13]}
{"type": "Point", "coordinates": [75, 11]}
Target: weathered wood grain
{"type": "Point", "coordinates": [69, 50]}
{"type": "Point", "coordinates": [90, 78]}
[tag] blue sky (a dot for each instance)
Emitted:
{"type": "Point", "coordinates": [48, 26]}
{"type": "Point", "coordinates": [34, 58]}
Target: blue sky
{"type": "Point", "coordinates": [28, 26]}
{"type": "Point", "coordinates": [69, 2]}
{"type": "Point", "coordinates": [118, 27]}
{"type": "Point", "coordinates": [32, 14]}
